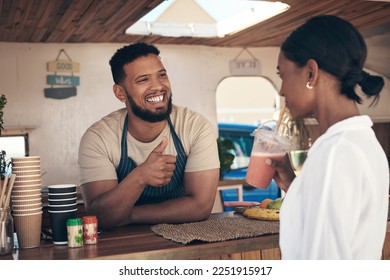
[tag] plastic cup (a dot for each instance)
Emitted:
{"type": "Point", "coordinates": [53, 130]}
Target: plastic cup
{"type": "Point", "coordinates": [297, 158]}
{"type": "Point", "coordinates": [267, 144]}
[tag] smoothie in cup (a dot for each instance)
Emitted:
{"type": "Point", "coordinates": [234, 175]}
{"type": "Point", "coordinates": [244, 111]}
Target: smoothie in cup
{"type": "Point", "coordinates": [267, 144]}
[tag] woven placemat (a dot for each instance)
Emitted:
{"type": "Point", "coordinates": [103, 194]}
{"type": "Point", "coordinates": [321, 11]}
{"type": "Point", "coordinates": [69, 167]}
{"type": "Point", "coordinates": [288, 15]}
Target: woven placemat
{"type": "Point", "coordinates": [216, 230]}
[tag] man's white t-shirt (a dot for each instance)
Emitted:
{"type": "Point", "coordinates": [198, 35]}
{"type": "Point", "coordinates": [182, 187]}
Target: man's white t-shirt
{"type": "Point", "coordinates": [100, 146]}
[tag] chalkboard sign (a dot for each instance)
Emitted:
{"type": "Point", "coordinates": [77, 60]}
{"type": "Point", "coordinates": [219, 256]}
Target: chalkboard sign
{"type": "Point", "coordinates": [60, 93]}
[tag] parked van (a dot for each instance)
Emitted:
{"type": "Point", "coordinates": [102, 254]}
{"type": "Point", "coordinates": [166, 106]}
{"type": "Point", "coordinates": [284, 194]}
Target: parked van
{"type": "Point", "coordinates": [242, 137]}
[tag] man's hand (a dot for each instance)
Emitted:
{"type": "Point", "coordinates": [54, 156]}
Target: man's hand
{"type": "Point", "coordinates": [158, 168]}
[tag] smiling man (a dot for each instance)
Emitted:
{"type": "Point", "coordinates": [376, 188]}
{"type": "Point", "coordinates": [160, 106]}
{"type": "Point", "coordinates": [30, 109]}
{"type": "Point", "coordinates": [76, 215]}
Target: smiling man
{"type": "Point", "coordinates": [150, 162]}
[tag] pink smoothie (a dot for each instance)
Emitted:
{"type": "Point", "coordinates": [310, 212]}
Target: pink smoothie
{"type": "Point", "coordinates": [260, 174]}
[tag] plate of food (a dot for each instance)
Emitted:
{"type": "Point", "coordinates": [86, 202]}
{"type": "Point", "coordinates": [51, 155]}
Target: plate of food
{"type": "Point", "coordinates": [261, 214]}
{"type": "Point", "coordinates": [240, 206]}
{"type": "Point", "coordinates": [240, 203]}
{"type": "Point", "coordinates": [267, 210]}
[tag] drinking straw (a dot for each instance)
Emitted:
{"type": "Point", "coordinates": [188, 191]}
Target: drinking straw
{"type": "Point", "coordinates": [3, 191]}
{"type": "Point", "coordinates": [281, 114]}
{"type": "Point", "coordinates": [11, 185]}
{"type": "Point", "coordinates": [3, 241]}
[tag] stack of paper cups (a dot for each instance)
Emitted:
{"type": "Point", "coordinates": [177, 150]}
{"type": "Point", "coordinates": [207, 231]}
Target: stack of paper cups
{"type": "Point", "coordinates": [62, 206]}
{"type": "Point", "coordinates": [26, 200]}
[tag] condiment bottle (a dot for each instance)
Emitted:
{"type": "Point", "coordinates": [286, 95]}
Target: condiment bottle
{"type": "Point", "coordinates": [6, 231]}
{"type": "Point", "coordinates": [90, 229]}
{"type": "Point", "coordinates": [75, 232]}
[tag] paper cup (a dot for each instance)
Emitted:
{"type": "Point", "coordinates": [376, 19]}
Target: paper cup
{"type": "Point", "coordinates": [58, 223]}
{"type": "Point", "coordinates": [26, 210]}
{"type": "Point", "coordinates": [36, 203]}
{"type": "Point", "coordinates": [28, 187]}
{"type": "Point", "coordinates": [22, 159]}
{"type": "Point", "coordinates": [65, 188]}
{"type": "Point", "coordinates": [35, 177]}
{"type": "Point", "coordinates": [28, 183]}
{"type": "Point", "coordinates": [26, 201]}
{"type": "Point", "coordinates": [28, 229]}
{"type": "Point", "coordinates": [24, 197]}
{"type": "Point", "coordinates": [26, 192]}
{"type": "Point", "coordinates": [56, 208]}
{"type": "Point", "coordinates": [26, 163]}
{"type": "Point", "coordinates": [26, 173]}
{"type": "Point", "coordinates": [61, 202]}
{"type": "Point", "coordinates": [66, 197]}
{"type": "Point", "coordinates": [18, 169]}
{"type": "Point", "coordinates": [62, 194]}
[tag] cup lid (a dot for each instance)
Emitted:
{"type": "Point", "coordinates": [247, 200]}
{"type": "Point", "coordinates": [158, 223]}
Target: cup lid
{"type": "Point", "coordinates": [89, 219]}
{"type": "Point", "coordinates": [74, 222]}
{"type": "Point", "coordinates": [62, 186]}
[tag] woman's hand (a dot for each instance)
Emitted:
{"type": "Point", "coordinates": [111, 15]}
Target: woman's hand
{"type": "Point", "coordinates": [284, 173]}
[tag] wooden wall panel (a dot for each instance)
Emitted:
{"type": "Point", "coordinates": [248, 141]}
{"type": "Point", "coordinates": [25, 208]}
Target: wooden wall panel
{"type": "Point", "coordinates": [92, 21]}
{"type": "Point", "coordinates": [382, 132]}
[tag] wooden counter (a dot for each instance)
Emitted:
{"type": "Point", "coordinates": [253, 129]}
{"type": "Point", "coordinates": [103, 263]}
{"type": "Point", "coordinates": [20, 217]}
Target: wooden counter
{"type": "Point", "coordinates": [139, 242]}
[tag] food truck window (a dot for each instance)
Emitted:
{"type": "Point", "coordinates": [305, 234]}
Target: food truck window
{"type": "Point", "coordinates": [246, 100]}
{"type": "Point", "coordinates": [14, 145]}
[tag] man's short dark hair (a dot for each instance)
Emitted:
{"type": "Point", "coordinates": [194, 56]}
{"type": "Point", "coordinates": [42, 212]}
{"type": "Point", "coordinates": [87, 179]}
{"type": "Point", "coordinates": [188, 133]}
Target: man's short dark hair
{"type": "Point", "coordinates": [126, 55]}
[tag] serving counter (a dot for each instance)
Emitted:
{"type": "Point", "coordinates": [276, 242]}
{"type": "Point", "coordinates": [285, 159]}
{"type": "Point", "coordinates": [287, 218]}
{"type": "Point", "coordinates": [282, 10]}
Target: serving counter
{"type": "Point", "coordinates": [140, 242]}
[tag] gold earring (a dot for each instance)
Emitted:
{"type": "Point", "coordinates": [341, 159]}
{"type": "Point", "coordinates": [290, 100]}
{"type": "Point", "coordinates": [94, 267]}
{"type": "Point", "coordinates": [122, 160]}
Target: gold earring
{"type": "Point", "coordinates": [309, 85]}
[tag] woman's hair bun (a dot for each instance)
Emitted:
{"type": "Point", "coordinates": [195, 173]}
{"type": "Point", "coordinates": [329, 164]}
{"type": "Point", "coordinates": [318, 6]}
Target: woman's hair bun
{"type": "Point", "coordinates": [371, 84]}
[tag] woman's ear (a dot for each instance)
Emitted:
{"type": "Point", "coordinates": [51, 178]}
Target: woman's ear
{"type": "Point", "coordinates": [312, 69]}
{"type": "Point", "coordinates": [120, 93]}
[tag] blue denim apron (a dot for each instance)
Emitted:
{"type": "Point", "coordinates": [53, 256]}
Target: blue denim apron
{"type": "Point", "coordinates": [174, 189]}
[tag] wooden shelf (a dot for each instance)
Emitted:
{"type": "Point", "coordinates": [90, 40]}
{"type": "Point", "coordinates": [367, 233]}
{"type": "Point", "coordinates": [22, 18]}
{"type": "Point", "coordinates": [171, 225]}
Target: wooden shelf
{"type": "Point", "coordinates": [18, 130]}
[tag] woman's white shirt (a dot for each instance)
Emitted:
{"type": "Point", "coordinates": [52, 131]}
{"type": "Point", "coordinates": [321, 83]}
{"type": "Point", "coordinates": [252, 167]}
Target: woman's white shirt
{"type": "Point", "coordinates": [338, 205]}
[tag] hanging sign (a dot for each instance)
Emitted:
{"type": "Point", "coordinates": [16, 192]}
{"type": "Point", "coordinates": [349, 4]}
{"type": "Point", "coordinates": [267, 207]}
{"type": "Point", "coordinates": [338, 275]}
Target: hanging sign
{"type": "Point", "coordinates": [249, 67]}
{"type": "Point", "coordinates": [63, 80]}
{"type": "Point", "coordinates": [67, 83]}
{"type": "Point", "coordinates": [245, 67]}
{"type": "Point", "coordinates": [63, 66]}
{"type": "Point", "coordinates": [60, 93]}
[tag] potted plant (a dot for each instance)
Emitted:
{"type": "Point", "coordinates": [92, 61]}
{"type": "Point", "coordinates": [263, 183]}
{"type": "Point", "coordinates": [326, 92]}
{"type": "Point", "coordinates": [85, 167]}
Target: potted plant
{"type": "Point", "coordinates": [226, 157]}
{"type": "Point", "coordinates": [3, 101]}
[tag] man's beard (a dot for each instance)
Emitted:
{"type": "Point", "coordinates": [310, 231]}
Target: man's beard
{"type": "Point", "coordinates": [147, 115]}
